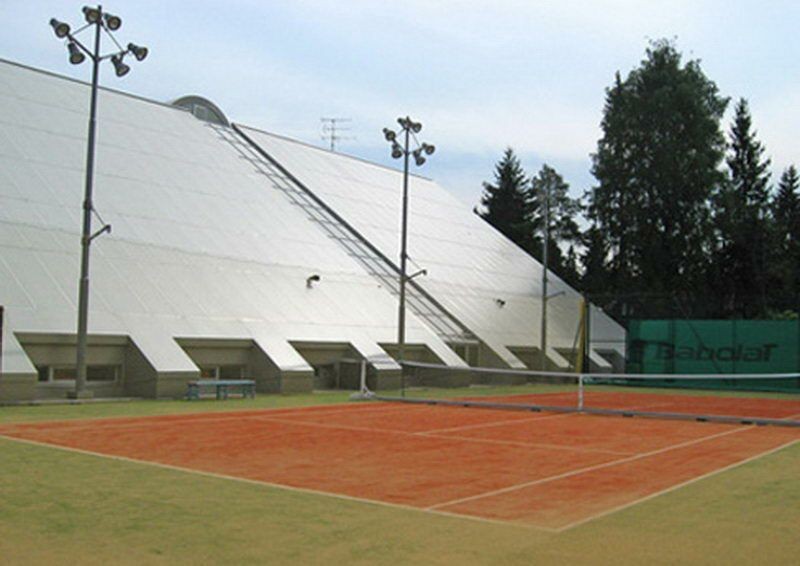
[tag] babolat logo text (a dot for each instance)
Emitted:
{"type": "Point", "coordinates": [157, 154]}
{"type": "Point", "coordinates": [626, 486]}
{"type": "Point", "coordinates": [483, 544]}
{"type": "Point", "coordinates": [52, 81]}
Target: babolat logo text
{"type": "Point", "coordinates": [740, 353]}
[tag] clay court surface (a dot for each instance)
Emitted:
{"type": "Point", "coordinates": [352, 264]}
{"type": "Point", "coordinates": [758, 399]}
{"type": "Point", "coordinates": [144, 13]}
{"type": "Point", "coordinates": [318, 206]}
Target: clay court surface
{"type": "Point", "coordinates": [545, 470]}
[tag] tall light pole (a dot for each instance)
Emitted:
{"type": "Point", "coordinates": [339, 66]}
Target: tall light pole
{"type": "Point", "coordinates": [545, 246]}
{"type": "Point", "coordinates": [102, 21]}
{"type": "Point", "coordinates": [408, 130]}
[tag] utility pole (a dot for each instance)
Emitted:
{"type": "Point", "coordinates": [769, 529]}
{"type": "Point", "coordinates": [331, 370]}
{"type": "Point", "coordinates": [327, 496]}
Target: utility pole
{"type": "Point", "coordinates": [545, 246]}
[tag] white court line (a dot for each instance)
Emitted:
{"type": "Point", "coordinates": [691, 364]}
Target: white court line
{"type": "Point", "coordinates": [209, 417]}
{"type": "Point", "coordinates": [675, 487]}
{"type": "Point", "coordinates": [496, 423]}
{"type": "Point", "coordinates": [305, 490]}
{"type": "Point", "coordinates": [442, 437]}
{"type": "Point", "coordinates": [580, 471]}
{"type": "Point", "coordinates": [678, 486]}
{"type": "Point", "coordinates": [529, 444]}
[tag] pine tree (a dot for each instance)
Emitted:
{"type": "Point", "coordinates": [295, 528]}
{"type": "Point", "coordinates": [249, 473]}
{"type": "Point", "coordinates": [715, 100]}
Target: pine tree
{"type": "Point", "coordinates": [594, 261]}
{"type": "Point", "coordinates": [506, 204]}
{"type": "Point", "coordinates": [656, 167]}
{"type": "Point", "coordinates": [563, 227]}
{"type": "Point", "coordinates": [741, 211]}
{"type": "Point", "coordinates": [786, 241]}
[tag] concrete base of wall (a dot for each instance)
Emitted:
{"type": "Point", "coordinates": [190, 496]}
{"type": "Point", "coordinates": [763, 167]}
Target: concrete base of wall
{"type": "Point", "coordinates": [174, 385]}
{"type": "Point", "coordinates": [297, 382]}
{"type": "Point", "coordinates": [17, 387]}
{"type": "Point", "coordinates": [383, 380]}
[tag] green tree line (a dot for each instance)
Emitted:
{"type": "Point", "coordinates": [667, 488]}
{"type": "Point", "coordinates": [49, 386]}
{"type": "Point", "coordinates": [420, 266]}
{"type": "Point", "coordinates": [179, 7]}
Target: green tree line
{"type": "Point", "coordinates": [683, 216]}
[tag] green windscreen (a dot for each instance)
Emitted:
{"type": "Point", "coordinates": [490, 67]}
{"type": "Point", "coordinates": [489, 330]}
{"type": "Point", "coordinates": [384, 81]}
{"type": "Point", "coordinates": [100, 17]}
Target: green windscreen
{"type": "Point", "coordinates": [714, 347]}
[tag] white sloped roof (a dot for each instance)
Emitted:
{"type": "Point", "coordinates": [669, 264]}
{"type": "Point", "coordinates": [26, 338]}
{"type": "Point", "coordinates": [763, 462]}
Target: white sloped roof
{"type": "Point", "coordinates": [470, 264]}
{"type": "Point", "coordinates": [202, 245]}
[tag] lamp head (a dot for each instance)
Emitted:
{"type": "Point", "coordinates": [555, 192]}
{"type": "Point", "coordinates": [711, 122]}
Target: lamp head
{"type": "Point", "coordinates": [120, 68]}
{"type": "Point", "coordinates": [113, 22]}
{"type": "Point", "coordinates": [397, 151]}
{"type": "Point", "coordinates": [389, 135]}
{"type": "Point", "coordinates": [415, 126]}
{"type": "Point", "coordinates": [138, 51]}
{"type": "Point", "coordinates": [92, 15]}
{"type": "Point", "coordinates": [59, 28]}
{"type": "Point", "coordinates": [76, 56]}
{"type": "Point", "coordinates": [428, 148]}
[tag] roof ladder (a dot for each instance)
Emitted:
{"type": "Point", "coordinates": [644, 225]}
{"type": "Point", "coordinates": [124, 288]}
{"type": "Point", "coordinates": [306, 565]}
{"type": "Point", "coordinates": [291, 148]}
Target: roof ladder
{"type": "Point", "coordinates": [419, 301]}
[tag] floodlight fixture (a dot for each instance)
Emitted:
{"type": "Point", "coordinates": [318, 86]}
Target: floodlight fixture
{"type": "Point", "coordinates": [397, 152]}
{"type": "Point", "coordinates": [113, 22]}
{"type": "Point", "coordinates": [120, 68]}
{"type": "Point", "coordinates": [76, 56]}
{"type": "Point", "coordinates": [92, 15]}
{"type": "Point", "coordinates": [415, 126]}
{"type": "Point", "coordinates": [61, 29]}
{"type": "Point", "coordinates": [428, 148]}
{"type": "Point", "coordinates": [390, 135]}
{"type": "Point", "coordinates": [138, 51]}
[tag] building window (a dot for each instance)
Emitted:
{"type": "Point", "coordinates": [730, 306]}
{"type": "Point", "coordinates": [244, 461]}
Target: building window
{"type": "Point", "coordinates": [102, 373]}
{"type": "Point", "coordinates": [67, 374]}
{"type": "Point", "coordinates": [222, 372]}
{"type": "Point", "coordinates": [62, 374]}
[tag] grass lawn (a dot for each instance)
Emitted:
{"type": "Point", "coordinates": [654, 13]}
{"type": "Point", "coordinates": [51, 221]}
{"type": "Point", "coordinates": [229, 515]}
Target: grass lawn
{"type": "Point", "coordinates": [58, 507]}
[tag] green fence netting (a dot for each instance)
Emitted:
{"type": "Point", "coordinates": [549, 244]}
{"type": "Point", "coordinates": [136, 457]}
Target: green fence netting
{"type": "Point", "coordinates": [716, 347]}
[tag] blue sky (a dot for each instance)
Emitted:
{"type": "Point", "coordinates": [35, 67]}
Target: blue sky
{"type": "Point", "coordinates": [479, 75]}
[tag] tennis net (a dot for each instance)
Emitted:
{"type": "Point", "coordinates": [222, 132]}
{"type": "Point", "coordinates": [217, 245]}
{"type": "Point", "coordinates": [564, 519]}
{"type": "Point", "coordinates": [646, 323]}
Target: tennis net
{"type": "Point", "coordinates": [747, 398]}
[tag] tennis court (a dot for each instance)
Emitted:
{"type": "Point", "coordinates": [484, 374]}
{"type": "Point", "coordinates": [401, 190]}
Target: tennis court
{"type": "Point", "coordinates": [541, 469]}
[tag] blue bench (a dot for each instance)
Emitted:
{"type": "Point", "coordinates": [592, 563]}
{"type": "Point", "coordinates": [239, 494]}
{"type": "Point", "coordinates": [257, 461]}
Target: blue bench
{"type": "Point", "coordinates": [222, 387]}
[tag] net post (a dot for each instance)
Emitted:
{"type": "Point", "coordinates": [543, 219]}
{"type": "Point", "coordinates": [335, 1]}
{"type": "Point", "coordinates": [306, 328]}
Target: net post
{"type": "Point", "coordinates": [580, 392]}
{"type": "Point", "coordinates": [363, 391]}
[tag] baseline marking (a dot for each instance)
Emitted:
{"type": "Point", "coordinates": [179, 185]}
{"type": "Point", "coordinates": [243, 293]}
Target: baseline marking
{"type": "Point", "coordinates": [305, 490]}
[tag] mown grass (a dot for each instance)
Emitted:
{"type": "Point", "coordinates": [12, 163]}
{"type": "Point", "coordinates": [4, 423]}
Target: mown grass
{"type": "Point", "coordinates": [58, 507]}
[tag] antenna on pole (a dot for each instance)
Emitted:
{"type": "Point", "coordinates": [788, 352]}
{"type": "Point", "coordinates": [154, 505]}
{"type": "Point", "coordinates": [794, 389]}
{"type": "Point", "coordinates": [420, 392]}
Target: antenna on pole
{"type": "Point", "coordinates": [331, 129]}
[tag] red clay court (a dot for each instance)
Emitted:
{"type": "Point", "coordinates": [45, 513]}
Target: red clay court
{"type": "Point", "coordinates": [546, 470]}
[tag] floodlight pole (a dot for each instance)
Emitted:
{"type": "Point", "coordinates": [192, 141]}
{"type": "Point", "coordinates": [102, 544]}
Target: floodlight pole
{"type": "Point", "coordinates": [545, 246]}
{"type": "Point", "coordinates": [86, 234]}
{"type": "Point", "coordinates": [108, 23]}
{"type": "Point", "coordinates": [409, 129]}
{"type": "Point", "coordinates": [401, 318]}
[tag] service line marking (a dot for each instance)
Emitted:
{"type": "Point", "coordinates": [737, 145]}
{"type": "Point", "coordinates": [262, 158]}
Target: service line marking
{"type": "Point", "coordinates": [496, 423]}
{"type": "Point", "coordinates": [290, 488]}
{"type": "Point", "coordinates": [443, 436]}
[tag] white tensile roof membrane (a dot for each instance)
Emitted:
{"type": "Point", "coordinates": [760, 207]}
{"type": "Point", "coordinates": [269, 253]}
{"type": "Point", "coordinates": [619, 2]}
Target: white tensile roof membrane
{"type": "Point", "coordinates": [203, 245]}
{"type": "Point", "coordinates": [469, 264]}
